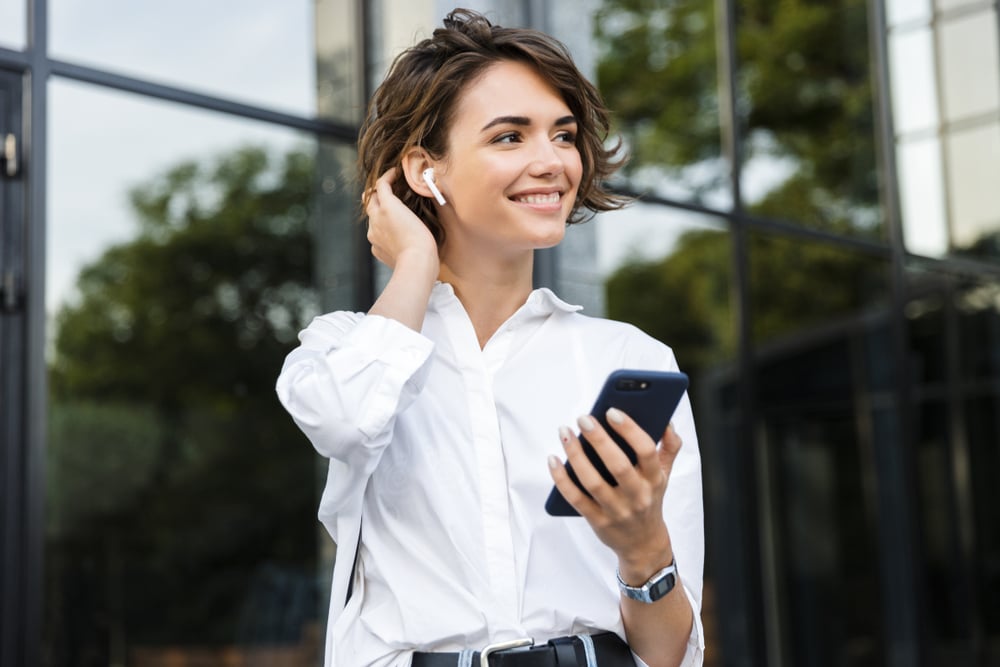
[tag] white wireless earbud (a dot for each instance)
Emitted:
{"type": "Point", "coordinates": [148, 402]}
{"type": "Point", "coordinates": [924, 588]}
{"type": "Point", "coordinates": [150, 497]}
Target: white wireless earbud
{"type": "Point", "coordinates": [428, 175]}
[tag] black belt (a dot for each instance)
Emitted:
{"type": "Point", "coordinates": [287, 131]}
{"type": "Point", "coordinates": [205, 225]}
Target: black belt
{"type": "Point", "coordinates": [608, 649]}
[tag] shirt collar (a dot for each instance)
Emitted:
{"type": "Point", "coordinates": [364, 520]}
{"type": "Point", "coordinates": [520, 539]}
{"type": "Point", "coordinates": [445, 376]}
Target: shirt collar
{"type": "Point", "coordinates": [540, 302]}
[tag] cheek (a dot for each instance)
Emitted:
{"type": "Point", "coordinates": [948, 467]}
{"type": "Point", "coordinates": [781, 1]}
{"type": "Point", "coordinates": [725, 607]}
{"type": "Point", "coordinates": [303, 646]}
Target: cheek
{"type": "Point", "coordinates": [574, 169]}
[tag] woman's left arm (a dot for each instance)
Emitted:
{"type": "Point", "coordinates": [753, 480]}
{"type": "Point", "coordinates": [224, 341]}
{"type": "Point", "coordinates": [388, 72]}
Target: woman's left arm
{"type": "Point", "coordinates": [629, 518]}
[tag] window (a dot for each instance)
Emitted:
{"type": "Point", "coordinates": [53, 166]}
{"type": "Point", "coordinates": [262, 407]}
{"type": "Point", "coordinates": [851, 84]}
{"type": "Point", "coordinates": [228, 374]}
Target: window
{"type": "Point", "coordinates": [181, 498]}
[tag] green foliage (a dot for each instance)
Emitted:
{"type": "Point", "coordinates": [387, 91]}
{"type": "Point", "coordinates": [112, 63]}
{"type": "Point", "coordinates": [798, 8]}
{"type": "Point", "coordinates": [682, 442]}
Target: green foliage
{"type": "Point", "coordinates": [797, 286]}
{"type": "Point", "coordinates": [682, 299]}
{"type": "Point", "coordinates": [657, 72]}
{"type": "Point", "coordinates": [803, 101]}
{"type": "Point", "coordinates": [685, 298]}
{"type": "Point", "coordinates": [171, 463]}
{"type": "Point", "coordinates": [220, 272]}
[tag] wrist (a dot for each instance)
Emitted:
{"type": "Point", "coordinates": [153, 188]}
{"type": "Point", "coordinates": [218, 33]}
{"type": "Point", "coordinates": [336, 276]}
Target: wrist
{"type": "Point", "coordinates": [418, 263]}
{"type": "Point", "coordinates": [656, 587]}
{"type": "Point", "coordinates": [637, 566]}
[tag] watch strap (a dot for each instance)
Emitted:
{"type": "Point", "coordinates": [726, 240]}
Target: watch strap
{"type": "Point", "coordinates": [655, 588]}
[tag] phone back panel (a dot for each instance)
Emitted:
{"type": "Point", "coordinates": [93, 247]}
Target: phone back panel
{"type": "Point", "coordinates": [648, 397]}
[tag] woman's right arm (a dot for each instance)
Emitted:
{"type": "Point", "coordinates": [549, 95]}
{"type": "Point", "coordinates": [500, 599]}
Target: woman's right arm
{"type": "Point", "coordinates": [351, 375]}
{"type": "Point", "coordinates": [401, 241]}
{"type": "Point", "coordinates": [348, 379]}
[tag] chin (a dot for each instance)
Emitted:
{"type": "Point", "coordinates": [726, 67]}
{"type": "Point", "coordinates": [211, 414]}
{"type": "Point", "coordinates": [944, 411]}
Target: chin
{"type": "Point", "coordinates": [551, 240]}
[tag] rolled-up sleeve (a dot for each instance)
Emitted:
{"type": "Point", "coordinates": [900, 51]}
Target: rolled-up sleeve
{"type": "Point", "coordinates": [349, 378]}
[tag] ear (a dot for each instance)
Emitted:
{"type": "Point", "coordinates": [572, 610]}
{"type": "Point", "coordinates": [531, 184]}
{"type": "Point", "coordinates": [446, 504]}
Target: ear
{"type": "Point", "coordinates": [415, 161]}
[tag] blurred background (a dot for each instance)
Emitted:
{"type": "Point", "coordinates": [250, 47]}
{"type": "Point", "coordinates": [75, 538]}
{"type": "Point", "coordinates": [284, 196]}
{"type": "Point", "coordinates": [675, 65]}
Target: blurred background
{"type": "Point", "coordinates": [816, 234]}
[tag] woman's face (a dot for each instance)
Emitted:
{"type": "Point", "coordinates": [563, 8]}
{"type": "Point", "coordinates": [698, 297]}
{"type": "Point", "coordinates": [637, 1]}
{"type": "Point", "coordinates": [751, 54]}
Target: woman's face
{"type": "Point", "coordinates": [513, 169]}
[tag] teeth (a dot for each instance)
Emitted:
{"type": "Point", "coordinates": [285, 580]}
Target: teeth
{"type": "Point", "coordinates": [539, 199]}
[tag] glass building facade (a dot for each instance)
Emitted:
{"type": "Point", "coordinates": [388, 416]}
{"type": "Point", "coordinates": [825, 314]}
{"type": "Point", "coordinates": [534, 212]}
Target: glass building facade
{"type": "Point", "coordinates": [816, 233]}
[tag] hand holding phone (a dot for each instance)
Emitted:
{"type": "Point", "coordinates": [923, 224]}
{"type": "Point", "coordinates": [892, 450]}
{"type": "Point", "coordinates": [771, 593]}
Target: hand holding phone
{"type": "Point", "coordinates": [648, 397]}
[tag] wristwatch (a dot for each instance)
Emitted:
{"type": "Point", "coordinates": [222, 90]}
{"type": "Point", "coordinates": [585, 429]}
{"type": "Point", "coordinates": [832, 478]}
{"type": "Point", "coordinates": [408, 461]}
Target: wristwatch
{"type": "Point", "coordinates": [655, 588]}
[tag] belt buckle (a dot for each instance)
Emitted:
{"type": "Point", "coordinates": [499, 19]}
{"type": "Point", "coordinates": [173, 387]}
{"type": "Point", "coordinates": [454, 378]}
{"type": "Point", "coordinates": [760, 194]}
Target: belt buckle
{"type": "Point", "coordinates": [487, 651]}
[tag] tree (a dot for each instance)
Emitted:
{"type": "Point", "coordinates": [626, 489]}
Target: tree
{"type": "Point", "coordinates": [180, 476]}
{"type": "Point", "coordinates": [804, 101]}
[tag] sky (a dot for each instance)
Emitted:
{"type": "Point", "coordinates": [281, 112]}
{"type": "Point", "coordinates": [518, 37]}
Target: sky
{"type": "Point", "coordinates": [103, 142]}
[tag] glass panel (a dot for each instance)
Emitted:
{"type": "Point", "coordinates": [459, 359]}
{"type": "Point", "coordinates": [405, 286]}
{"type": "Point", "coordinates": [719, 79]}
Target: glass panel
{"type": "Point", "coordinates": [821, 322]}
{"type": "Point", "coordinates": [949, 623]}
{"type": "Point", "coordinates": [921, 197]}
{"type": "Point", "coordinates": [945, 5]}
{"type": "Point", "coordinates": [826, 550]}
{"type": "Point", "coordinates": [912, 79]}
{"type": "Point", "coordinates": [809, 116]}
{"type": "Point", "coordinates": [398, 24]}
{"type": "Point", "coordinates": [902, 11]}
{"type": "Point", "coordinates": [181, 499]}
{"type": "Point", "coordinates": [800, 290]}
{"type": "Point", "coordinates": [339, 61]}
{"type": "Point", "coordinates": [260, 52]}
{"type": "Point", "coordinates": [13, 29]}
{"type": "Point", "coordinates": [657, 69]}
{"type": "Point", "coordinates": [941, 471]}
{"type": "Point", "coordinates": [973, 174]}
{"type": "Point", "coordinates": [925, 327]}
{"type": "Point", "coordinates": [984, 462]}
{"type": "Point", "coordinates": [969, 60]}
{"type": "Point", "coordinates": [668, 272]}
{"type": "Point", "coordinates": [978, 305]}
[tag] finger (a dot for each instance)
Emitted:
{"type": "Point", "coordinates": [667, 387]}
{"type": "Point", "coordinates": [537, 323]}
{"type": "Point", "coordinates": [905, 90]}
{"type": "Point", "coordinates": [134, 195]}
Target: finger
{"type": "Point", "coordinates": [669, 449]}
{"type": "Point", "coordinates": [385, 181]}
{"type": "Point", "coordinates": [610, 451]}
{"type": "Point", "coordinates": [567, 487]}
{"type": "Point", "coordinates": [647, 461]}
{"type": "Point", "coordinates": [610, 454]}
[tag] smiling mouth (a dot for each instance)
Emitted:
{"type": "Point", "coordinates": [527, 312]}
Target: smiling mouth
{"type": "Point", "coordinates": [551, 198]}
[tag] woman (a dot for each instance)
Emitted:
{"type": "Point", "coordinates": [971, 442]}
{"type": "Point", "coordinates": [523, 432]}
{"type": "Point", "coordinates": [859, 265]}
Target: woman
{"type": "Point", "coordinates": [442, 409]}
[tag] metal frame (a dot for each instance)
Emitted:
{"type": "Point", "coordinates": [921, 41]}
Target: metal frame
{"type": "Point", "coordinates": [12, 372]}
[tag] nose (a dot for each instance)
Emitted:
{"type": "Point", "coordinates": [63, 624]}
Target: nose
{"type": "Point", "coordinates": [547, 159]}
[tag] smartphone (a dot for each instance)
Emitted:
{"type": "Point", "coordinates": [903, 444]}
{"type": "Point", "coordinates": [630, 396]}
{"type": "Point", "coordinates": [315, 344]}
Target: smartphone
{"type": "Point", "coordinates": [648, 397]}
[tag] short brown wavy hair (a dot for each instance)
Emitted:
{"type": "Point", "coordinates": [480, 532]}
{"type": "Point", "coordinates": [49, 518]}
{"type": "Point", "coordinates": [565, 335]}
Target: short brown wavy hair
{"type": "Point", "coordinates": [414, 106]}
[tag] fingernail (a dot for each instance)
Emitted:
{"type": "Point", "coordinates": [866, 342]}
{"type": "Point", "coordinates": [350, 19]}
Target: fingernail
{"type": "Point", "coordinates": [616, 416]}
{"type": "Point", "coordinates": [553, 462]}
{"type": "Point", "coordinates": [565, 434]}
{"type": "Point", "coordinates": [586, 423]}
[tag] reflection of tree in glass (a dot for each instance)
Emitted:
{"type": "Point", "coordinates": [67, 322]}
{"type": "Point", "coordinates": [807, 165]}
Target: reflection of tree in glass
{"type": "Point", "coordinates": [682, 299]}
{"type": "Point", "coordinates": [804, 100]}
{"type": "Point", "coordinates": [167, 446]}
{"type": "Point", "coordinates": [657, 71]}
{"type": "Point", "coordinates": [685, 300]}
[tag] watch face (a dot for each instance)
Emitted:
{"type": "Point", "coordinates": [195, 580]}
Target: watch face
{"type": "Point", "coordinates": [662, 587]}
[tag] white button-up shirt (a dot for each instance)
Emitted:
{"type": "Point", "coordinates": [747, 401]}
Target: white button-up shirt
{"type": "Point", "coordinates": [438, 453]}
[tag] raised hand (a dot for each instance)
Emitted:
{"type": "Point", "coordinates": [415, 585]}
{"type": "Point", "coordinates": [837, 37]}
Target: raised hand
{"type": "Point", "coordinates": [393, 229]}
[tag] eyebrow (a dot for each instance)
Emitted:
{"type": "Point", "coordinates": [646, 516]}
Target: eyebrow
{"type": "Point", "coordinates": [524, 121]}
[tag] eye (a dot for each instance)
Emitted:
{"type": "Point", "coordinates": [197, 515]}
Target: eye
{"type": "Point", "coordinates": [566, 137]}
{"type": "Point", "coordinates": [507, 138]}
